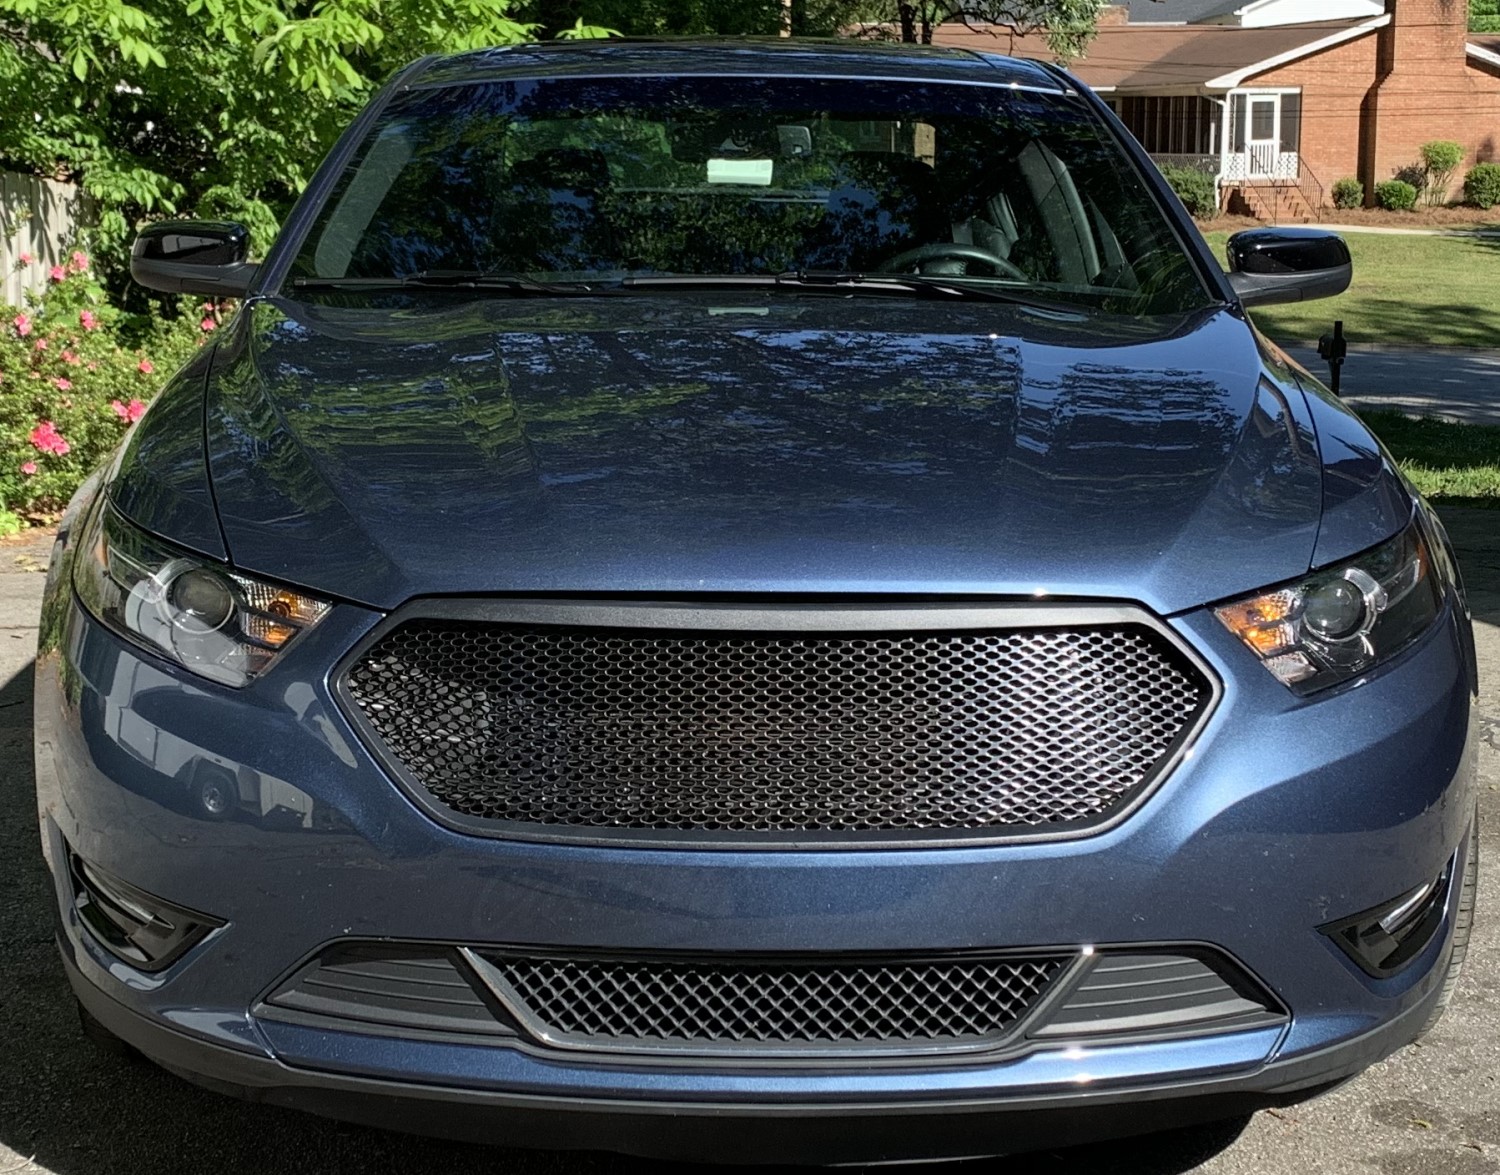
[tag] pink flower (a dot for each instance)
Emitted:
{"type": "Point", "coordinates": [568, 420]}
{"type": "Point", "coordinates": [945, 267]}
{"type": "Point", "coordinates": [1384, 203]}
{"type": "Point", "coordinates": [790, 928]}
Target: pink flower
{"type": "Point", "coordinates": [63, 385]}
{"type": "Point", "coordinates": [89, 320]}
{"type": "Point", "coordinates": [130, 412]}
{"type": "Point", "coordinates": [93, 366]}
{"type": "Point", "coordinates": [28, 467]}
{"type": "Point", "coordinates": [46, 438]}
{"type": "Point", "coordinates": [79, 262]}
{"type": "Point", "coordinates": [27, 258]}
{"type": "Point", "coordinates": [41, 344]}
{"type": "Point", "coordinates": [22, 324]}
{"type": "Point", "coordinates": [70, 357]}
{"type": "Point", "coordinates": [207, 325]}
{"type": "Point", "coordinates": [57, 273]}
{"type": "Point", "coordinates": [145, 367]}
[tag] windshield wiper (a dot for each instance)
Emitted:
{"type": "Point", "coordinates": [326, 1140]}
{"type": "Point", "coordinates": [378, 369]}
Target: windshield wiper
{"type": "Point", "coordinates": [956, 286]}
{"type": "Point", "coordinates": [451, 279]}
{"type": "Point", "coordinates": [838, 282]}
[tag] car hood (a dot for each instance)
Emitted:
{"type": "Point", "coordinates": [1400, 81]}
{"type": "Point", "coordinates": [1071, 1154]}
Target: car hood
{"type": "Point", "coordinates": [783, 444]}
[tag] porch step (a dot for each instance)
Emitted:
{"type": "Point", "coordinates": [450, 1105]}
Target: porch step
{"type": "Point", "coordinates": [1278, 201]}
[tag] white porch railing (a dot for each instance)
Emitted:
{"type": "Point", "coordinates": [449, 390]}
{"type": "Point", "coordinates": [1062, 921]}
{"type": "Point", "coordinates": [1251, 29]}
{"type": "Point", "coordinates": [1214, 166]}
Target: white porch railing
{"type": "Point", "coordinates": [1261, 161]}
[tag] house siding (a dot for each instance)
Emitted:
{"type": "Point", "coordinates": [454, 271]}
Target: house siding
{"type": "Point", "coordinates": [1370, 104]}
{"type": "Point", "coordinates": [1337, 86]}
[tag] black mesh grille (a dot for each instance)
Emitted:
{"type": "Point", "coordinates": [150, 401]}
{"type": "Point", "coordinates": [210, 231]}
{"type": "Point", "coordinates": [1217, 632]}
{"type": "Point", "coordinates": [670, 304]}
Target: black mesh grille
{"type": "Point", "coordinates": [790, 733]}
{"type": "Point", "coordinates": [624, 1002]}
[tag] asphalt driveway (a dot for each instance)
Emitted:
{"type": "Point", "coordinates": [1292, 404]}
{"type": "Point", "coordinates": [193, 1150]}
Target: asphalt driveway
{"type": "Point", "coordinates": [65, 1108]}
{"type": "Point", "coordinates": [1461, 384]}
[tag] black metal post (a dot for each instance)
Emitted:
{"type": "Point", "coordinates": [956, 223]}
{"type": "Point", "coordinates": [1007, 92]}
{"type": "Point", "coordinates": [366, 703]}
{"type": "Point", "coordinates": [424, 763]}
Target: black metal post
{"type": "Point", "coordinates": [1334, 349]}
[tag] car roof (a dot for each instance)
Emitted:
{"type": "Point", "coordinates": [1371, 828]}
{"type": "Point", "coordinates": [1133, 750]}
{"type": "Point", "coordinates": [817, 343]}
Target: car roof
{"type": "Point", "coordinates": [750, 56]}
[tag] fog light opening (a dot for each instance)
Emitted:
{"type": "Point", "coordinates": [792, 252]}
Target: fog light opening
{"type": "Point", "coordinates": [145, 931]}
{"type": "Point", "coordinates": [1385, 939]}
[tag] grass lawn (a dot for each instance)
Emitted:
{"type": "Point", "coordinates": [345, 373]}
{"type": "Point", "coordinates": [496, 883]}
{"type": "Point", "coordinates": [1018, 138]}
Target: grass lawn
{"type": "Point", "coordinates": [1452, 464]}
{"type": "Point", "coordinates": [1426, 291]}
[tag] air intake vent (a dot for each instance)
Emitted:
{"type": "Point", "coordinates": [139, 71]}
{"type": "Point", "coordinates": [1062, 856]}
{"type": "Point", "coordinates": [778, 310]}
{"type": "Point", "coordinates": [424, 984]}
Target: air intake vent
{"type": "Point", "coordinates": [384, 989]}
{"type": "Point", "coordinates": [1156, 993]}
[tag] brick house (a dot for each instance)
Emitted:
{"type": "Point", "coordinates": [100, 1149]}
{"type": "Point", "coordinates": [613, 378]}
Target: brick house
{"type": "Point", "coordinates": [1280, 98]}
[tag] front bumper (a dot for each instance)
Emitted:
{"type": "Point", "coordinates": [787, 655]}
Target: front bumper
{"type": "Point", "coordinates": [831, 1130]}
{"type": "Point", "coordinates": [1286, 816]}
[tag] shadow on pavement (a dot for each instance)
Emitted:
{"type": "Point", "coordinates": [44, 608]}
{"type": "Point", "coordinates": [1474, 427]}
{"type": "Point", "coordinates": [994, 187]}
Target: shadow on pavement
{"type": "Point", "coordinates": [75, 1110]}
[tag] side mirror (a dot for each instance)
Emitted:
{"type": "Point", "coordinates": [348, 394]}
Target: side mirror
{"type": "Point", "coordinates": [1269, 265]}
{"type": "Point", "coordinates": [194, 257]}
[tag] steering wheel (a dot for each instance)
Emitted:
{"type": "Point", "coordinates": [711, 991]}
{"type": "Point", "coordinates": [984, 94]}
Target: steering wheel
{"type": "Point", "coordinates": [950, 251]}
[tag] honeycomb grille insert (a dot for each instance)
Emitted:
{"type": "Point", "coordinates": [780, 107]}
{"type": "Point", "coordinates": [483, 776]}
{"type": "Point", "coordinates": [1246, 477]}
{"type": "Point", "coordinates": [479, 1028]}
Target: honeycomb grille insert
{"type": "Point", "coordinates": [692, 1005]}
{"type": "Point", "coordinates": [795, 734]}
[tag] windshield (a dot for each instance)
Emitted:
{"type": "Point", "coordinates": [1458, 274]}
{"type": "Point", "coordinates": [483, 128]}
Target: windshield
{"type": "Point", "coordinates": [600, 180]}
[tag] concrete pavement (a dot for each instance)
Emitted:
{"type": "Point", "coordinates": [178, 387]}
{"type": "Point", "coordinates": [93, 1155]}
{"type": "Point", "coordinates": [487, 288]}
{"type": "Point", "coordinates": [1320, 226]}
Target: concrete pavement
{"type": "Point", "coordinates": [70, 1110]}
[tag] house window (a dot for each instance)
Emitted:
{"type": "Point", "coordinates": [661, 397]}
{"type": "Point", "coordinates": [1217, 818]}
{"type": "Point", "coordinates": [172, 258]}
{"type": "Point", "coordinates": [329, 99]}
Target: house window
{"type": "Point", "coordinates": [1291, 122]}
{"type": "Point", "coordinates": [1262, 119]}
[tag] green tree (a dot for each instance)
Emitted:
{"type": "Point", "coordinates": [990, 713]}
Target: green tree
{"type": "Point", "coordinates": [1484, 16]}
{"type": "Point", "coordinates": [1441, 158]}
{"type": "Point", "coordinates": [217, 108]}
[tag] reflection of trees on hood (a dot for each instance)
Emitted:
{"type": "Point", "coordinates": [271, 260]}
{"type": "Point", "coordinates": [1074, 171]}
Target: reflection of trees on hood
{"type": "Point", "coordinates": [478, 413]}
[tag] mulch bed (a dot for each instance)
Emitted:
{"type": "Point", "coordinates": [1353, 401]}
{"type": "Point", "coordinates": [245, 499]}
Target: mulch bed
{"type": "Point", "coordinates": [1452, 216]}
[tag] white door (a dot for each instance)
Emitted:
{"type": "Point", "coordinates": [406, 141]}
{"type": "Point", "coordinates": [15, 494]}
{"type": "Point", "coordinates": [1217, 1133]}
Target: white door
{"type": "Point", "coordinates": [1263, 136]}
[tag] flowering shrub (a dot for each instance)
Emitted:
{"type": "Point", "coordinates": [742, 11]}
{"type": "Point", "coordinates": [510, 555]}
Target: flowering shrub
{"type": "Point", "coordinates": [69, 389]}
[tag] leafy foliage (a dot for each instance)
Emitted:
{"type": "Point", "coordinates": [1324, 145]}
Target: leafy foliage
{"type": "Point", "coordinates": [1396, 195]}
{"type": "Point", "coordinates": [209, 107]}
{"type": "Point", "coordinates": [69, 389]}
{"type": "Point", "coordinates": [1441, 158]}
{"type": "Point", "coordinates": [1194, 187]}
{"type": "Point", "coordinates": [1482, 187]}
{"type": "Point", "coordinates": [1484, 16]}
{"type": "Point", "coordinates": [1068, 24]}
{"type": "Point", "coordinates": [1348, 193]}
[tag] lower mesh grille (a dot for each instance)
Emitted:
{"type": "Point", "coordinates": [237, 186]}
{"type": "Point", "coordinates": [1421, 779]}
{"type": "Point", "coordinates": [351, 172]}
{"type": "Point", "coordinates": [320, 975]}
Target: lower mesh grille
{"type": "Point", "coordinates": [697, 1006]}
{"type": "Point", "coordinates": [586, 729]}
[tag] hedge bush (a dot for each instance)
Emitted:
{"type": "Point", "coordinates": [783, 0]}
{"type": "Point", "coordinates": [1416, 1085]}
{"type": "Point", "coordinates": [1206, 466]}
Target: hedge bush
{"type": "Point", "coordinates": [1348, 193]}
{"type": "Point", "coordinates": [1195, 188]}
{"type": "Point", "coordinates": [1396, 195]}
{"type": "Point", "coordinates": [1482, 187]}
{"type": "Point", "coordinates": [69, 389]}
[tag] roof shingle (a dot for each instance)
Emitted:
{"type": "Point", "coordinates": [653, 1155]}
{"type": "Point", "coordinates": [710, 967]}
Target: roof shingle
{"type": "Point", "coordinates": [1152, 58]}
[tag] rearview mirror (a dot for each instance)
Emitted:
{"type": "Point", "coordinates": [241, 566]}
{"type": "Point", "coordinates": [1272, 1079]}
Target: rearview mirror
{"type": "Point", "coordinates": [194, 257]}
{"type": "Point", "coordinates": [1269, 265]}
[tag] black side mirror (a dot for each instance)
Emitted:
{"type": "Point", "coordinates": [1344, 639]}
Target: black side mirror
{"type": "Point", "coordinates": [1268, 265]}
{"type": "Point", "coordinates": [194, 257]}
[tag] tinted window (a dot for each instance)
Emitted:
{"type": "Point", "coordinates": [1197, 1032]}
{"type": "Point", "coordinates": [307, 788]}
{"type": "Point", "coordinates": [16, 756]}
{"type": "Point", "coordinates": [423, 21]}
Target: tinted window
{"type": "Point", "coordinates": [599, 179]}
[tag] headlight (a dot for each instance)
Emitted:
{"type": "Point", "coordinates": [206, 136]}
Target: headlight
{"type": "Point", "coordinates": [215, 622]}
{"type": "Point", "coordinates": [1341, 621]}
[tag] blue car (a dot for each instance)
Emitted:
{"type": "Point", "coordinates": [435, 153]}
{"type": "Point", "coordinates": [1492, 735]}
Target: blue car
{"type": "Point", "coordinates": [753, 602]}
